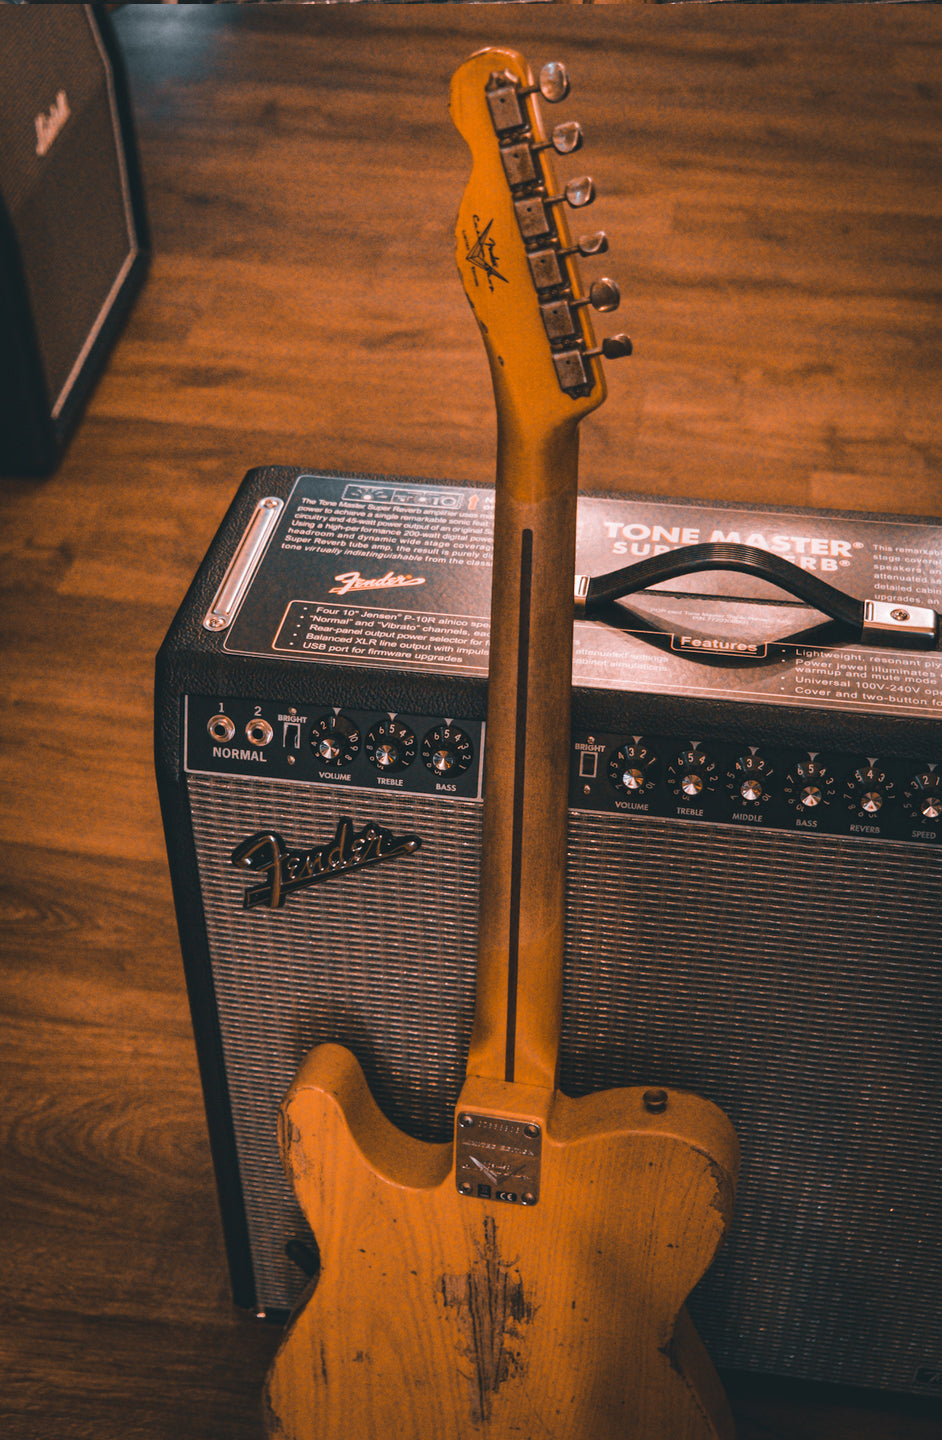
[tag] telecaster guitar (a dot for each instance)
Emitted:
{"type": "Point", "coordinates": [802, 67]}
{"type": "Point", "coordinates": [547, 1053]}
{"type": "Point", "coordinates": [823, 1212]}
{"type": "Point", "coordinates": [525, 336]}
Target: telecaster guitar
{"type": "Point", "coordinates": [529, 1279]}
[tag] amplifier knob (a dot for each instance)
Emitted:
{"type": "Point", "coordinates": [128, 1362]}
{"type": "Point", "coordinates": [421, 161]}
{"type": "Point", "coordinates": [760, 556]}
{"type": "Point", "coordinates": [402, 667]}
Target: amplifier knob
{"type": "Point", "coordinates": [335, 739]}
{"type": "Point", "coordinates": [390, 746]}
{"type": "Point", "coordinates": [867, 790]}
{"type": "Point", "coordinates": [631, 768]}
{"type": "Point", "coordinates": [748, 781]}
{"type": "Point", "coordinates": [691, 775]}
{"type": "Point", "coordinates": [446, 750]}
{"type": "Point", "coordinates": [809, 786]}
{"type": "Point", "coordinates": [923, 796]}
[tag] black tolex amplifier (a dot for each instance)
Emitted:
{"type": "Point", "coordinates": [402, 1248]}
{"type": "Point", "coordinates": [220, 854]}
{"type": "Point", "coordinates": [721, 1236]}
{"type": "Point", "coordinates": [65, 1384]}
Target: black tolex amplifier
{"type": "Point", "coordinates": [754, 883]}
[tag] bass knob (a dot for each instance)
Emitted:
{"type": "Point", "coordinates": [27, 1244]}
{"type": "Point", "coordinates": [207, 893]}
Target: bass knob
{"type": "Point", "coordinates": [809, 786]}
{"type": "Point", "coordinates": [446, 750]}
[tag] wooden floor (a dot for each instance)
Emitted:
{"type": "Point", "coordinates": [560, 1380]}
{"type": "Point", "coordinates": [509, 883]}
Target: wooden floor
{"type": "Point", "coordinates": [770, 180]}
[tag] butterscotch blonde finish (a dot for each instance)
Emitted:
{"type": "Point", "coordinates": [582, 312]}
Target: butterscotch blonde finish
{"type": "Point", "coordinates": [470, 1315]}
{"type": "Point", "coordinates": [435, 1315]}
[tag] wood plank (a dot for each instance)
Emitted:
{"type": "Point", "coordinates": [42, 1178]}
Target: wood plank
{"type": "Point", "coordinates": [770, 182]}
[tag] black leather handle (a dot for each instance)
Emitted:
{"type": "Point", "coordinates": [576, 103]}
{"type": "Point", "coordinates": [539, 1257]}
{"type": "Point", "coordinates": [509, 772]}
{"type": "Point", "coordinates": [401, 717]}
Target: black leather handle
{"type": "Point", "coordinates": [875, 622]}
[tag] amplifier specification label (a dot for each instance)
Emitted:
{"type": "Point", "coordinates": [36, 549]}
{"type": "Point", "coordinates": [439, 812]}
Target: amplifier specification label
{"type": "Point", "coordinates": [389, 573]}
{"type": "Point", "coordinates": [412, 638]}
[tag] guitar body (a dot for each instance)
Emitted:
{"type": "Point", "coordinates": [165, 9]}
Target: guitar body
{"type": "Point", "coordinates": [456, 1318]}
{"type": "Point", "coordinates": [528, 1281]}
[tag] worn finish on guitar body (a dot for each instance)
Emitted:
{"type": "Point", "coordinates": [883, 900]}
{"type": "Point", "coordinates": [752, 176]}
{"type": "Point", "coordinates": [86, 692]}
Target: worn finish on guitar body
{"type": "Point", "coordinates": [558, 1314]}
{"type": "Point", "coordinates": [435, 1315]}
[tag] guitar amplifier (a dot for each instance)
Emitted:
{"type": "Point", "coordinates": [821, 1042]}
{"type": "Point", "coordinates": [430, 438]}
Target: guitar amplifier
{"type": "Point", "coordinates": [73, 232]}
{"type": "Point", "coordinates": [754, 877]}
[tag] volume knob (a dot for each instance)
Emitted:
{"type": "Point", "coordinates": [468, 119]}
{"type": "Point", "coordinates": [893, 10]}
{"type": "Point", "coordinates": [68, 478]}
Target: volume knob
{"type": "Point", "coordinates": [631, 768]}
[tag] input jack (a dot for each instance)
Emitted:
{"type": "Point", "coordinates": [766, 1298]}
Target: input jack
{"type": "Point", "coordinates": [221, 728]}
{"type": "Point", "coordinates": [259, 732]}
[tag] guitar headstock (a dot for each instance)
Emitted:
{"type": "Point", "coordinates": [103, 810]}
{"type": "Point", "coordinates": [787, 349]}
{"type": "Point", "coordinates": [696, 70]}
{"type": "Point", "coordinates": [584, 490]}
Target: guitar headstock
{"type": "Point", "coordinates": [517, 261]}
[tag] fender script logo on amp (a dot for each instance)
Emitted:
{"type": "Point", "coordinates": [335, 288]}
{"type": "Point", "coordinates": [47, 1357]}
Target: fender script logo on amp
{"type": "Point", "coordinates": [285, 870]}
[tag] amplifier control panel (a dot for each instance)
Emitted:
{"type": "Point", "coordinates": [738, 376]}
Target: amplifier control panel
{"type": "Point", "coordinates": [334, 745]}
{"type": "Point", "coordinates": [757, 786]}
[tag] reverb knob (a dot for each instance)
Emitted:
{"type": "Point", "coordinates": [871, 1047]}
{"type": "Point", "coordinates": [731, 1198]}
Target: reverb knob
{"type": "Point", "coordinates": [867, 790]}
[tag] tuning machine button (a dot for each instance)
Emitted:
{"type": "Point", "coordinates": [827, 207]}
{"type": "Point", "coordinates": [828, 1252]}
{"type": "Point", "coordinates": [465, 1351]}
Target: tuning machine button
{"type": "Point", "coordinates": [566, 139]}
{"type": "Point", "coordinates": [604, 295]}
{"type": "Point", "coordinates": [578, 192]}
{"type": "Point", "coordinates": [335, 739]}
{"type": "Point", "coordinates": [552, 84]}
{"type": "Point", "coordinates": [613, 347]}
{"type": "Point", "coordinates": [588, 245]}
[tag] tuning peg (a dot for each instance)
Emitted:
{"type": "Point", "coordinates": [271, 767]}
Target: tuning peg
{"type": "Point", "coordinates": [603, 295]}
{"type": "Point", "coordinates": [613, 347]}
{"type": "Point", "coordinates": [579, 191]}
{"type": "Point", "coordinates": [567, 137]}
{"type": "Point", "coordinates": [554, 82]}
{"type": "Point", "coordinates": [588, 245]}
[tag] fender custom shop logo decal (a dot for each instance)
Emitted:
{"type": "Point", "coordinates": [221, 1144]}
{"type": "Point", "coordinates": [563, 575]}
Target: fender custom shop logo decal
{"type": "Point", "coordinates": [481, 255]}
{"type": "Point", "coordinates": [285, 870]}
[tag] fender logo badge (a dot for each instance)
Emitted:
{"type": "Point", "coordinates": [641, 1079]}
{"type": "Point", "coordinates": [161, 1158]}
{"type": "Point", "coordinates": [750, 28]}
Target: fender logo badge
{"type": "Point", "coordinates": [285, 870]}
{"type": "Point", "coordinates": [482, 254]}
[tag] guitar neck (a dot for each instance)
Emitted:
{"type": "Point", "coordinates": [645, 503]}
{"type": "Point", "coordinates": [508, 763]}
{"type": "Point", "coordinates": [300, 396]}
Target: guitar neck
{"type": "Point", "coordinates": [518, 266]}
{"type": "Point", "coordinates": [520, 946]}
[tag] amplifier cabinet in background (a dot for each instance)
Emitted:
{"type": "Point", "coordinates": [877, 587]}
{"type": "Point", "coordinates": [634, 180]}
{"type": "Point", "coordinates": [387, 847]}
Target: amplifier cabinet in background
{"type": "Point", "coordinates": [73, 234]}
{"type": "Point", "coordinates": [754, 880]}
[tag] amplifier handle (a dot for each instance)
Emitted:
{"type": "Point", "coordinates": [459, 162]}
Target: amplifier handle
{"type": "Point", "coordinates": [874, 622]}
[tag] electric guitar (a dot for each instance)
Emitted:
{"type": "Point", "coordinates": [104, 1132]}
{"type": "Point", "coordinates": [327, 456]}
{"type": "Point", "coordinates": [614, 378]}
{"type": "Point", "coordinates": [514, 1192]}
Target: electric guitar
{"type": "Point", "coordinates": [529, 1279]}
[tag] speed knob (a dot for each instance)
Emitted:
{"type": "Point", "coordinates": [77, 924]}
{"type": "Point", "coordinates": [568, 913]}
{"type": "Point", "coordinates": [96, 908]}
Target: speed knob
{"type": "Point", "coordinates": [749, 780]}
{"type": "Point", "coordinates": [446, 750]}
{"type": "Point", "coordinates": [335, 740]}
{"type": "Point", "coordinates": [809, 786]}
{"type": "Point", "coordinates": [691, 775]}
{"type": "Point", "coordinates": [867, 790]}
{"type": "Point", "coordinates": [923, 796]}
{"type": "Point", "coordinates": [631, 768]}
{"type": "Point", "coordinates": [390, 746]}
